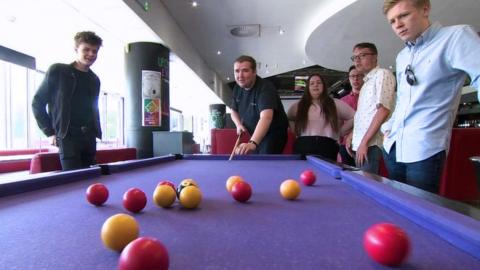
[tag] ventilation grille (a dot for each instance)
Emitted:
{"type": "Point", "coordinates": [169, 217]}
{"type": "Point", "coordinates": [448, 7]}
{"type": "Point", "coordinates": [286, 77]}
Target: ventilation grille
{"type": "Point", "coordinates": [246, 30]}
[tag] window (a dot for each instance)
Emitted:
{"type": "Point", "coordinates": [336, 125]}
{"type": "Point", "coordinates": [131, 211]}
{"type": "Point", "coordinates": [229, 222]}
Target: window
{"type": "Point", "coordinates": [36, 137]}
{"type": "Point", "coordinates": [176, 120]}
{"type": "Point", "coordinates": [18, 127]}
{"type": "Point", "coordinates": [111, 107]}
{"type": "Point", "coordinates": [18, 107]}
{"type": "Point", "coordinates": [3, 104]}
{"type": "Point", "coordinates": [16, 85]}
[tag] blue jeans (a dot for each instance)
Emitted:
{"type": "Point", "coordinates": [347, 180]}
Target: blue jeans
{"type": "Point", "coordinates": [374, 154]}
{"type": "Point", "coordinates": [424, 174]}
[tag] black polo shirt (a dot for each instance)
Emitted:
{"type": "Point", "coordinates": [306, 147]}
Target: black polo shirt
{"type": "Point", "coordinates": [262, 96]}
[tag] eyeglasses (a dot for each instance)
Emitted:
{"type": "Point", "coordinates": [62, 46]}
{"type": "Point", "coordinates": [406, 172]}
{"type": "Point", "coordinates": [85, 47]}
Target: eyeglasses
{"type": "Point", "coordinates": [359, 76]}
{"type": "Point", "coordinates": [411, 79]}
{"type": "Point", "coordinates": [360, 56]}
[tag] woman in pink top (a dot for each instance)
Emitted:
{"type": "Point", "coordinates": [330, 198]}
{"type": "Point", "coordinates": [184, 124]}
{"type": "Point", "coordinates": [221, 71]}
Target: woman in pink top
{"type": "Point", "coordinates": [319, 120]}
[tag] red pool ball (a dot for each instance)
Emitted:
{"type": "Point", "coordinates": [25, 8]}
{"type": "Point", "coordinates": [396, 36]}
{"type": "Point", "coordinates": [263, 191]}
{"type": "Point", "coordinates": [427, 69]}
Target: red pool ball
{"type": "Point", "coordinates": [308, 177]}
{"type": "Point", "coordinates": [97, 194]}
{"type": "Point", "coordinates": [134, 200]}
{"type": "Point", "coordinates": [144, 253]}
{"type": "Point", "coordinates": [241, 191]}
{"type": "Point", "coordinates": [386, 244]}
{"type": "Point", "coordinates": [166, 182]}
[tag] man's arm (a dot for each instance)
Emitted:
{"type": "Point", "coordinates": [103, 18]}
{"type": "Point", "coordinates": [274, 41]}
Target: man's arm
{"type": "Point", "coordinates": [292, 115]}
{"type": "Point", "coordinates": [261, 130]}
{"type": "Point", "coordinates": [463, 54]}
{"type": "Point", "coordinates": [263, 125]}
{"type": "Point", "coordinates": [39, 105]}
{"type": "Point", "coordinates": [346, 114]}
{"type": "Point", "coordinates": [378, 119]}
{"type": "Point", "coordinates": [238, 122]}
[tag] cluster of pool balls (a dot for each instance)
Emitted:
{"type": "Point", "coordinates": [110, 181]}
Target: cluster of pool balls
{"type": "Point", "coordinates": [289, 189]}
{"type": "Point", "coordinates": [120, 232]}
{"type": "Point", "coordinates": [385, 243]}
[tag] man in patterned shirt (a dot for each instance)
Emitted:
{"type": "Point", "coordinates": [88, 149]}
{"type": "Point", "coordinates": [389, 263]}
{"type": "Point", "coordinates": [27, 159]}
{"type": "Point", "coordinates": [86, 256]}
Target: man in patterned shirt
{"type": "Point", "coordinates": [376, 101]}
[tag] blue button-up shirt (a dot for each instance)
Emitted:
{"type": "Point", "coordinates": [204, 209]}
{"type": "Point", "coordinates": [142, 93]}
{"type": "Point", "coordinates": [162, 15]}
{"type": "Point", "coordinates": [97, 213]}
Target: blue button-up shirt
{"type": "Point", "coordinates": [440, 58]}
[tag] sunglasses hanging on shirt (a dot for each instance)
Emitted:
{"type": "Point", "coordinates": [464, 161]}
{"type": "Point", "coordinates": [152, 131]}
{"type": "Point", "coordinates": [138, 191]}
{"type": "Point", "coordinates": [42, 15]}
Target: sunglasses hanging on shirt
{"type": "Point", "coordinates": [411, 79]}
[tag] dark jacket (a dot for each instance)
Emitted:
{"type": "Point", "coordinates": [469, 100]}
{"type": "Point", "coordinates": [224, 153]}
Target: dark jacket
{"type": "Point", "coordinates": [56, 91]}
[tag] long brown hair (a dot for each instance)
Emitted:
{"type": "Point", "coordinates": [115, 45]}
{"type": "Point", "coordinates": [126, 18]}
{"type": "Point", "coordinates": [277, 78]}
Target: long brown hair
{"type": "Point", "coordinates": [327, 106]}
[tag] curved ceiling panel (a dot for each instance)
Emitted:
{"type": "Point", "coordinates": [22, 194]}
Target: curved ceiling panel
{"type": "Point", "coordinates": [330, 44]}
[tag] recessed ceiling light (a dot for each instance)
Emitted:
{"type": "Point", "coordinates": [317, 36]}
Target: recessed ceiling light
{"type": "Point", "coordinates": [281, 31]}
{"type": "Point", "coordinates": [194, 4]}
{"type": "Point", "coordinates": [11, 19]}
{"type": "Point", "coordinates": [219, 52]}
{"type": "Point", "coordinates": [245, 30]}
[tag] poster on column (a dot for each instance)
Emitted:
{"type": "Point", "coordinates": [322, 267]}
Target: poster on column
{"type": "Point", "coordinates": [151, 98]}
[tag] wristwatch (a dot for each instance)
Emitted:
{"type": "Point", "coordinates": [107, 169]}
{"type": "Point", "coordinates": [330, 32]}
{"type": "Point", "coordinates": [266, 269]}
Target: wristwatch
{"type": "Point", "coordinates": [253, 142]}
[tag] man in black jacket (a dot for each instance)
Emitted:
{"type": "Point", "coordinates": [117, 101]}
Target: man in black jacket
{"type": "Point", "coordinates": [71, 92]}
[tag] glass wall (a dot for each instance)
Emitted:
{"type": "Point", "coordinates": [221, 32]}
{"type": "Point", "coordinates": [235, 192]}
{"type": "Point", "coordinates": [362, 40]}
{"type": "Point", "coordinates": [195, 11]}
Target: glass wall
{"type": "Point", "coordinates": [3, 102]}
{"type": "Point", "coordinates": [18, 128]}
{"type": "Point", "coordinates": [16, 84]}
{"type": "Point", "coordinates": [112, 120]}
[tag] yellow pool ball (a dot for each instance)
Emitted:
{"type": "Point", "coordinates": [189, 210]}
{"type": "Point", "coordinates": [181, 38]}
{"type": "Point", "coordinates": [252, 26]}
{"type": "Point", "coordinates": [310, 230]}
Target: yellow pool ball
{"type": "Point", "coordinates": [290, 189]}
{"type": "Point", "coordinates": [190, 197]}
{"type": "Point", "coordinates": [164, 195]}
{"type": "Point", "coordinates": [232, 180]}
{"type": "Point", "coordinates": [119, 230]}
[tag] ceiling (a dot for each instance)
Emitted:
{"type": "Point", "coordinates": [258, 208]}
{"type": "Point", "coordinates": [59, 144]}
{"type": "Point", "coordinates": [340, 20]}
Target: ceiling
{"type": "Point", "coordinates": [30, 27]}
{"type": "Point", "coordinates": [316, 32]}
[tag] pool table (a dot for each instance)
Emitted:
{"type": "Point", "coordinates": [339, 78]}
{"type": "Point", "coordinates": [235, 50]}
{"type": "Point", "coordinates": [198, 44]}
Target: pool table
{"type": "Point", "coordinates": [46, 223]}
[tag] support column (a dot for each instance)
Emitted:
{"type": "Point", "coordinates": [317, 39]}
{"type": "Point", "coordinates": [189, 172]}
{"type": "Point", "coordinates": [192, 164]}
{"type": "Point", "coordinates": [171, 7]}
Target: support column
{"type": "Point", "coordinates": [147, 103]}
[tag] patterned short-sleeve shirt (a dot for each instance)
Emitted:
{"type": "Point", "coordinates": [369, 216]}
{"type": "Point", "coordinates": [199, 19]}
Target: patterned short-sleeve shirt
{"type": "Point", "coordinates": [378, 88]}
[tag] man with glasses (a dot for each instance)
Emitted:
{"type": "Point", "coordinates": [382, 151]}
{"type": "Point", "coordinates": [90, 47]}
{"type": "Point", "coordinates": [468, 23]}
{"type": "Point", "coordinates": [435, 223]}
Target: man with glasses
{"type": "Point", "coordinates": [356, 81]}
{"type": "Point", "coordinates": [375, 103]}
{"type": "Point", "coordinates": [431, 71]}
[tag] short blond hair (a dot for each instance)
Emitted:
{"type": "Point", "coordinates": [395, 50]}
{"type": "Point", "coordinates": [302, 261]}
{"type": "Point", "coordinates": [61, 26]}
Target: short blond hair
{"type": "Point", "coordinates": [388, 4]}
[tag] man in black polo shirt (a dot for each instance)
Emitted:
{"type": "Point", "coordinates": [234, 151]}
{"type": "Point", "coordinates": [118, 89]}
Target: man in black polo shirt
{"type": "Point", "coordinates": [71, 92]}
{"type": "Point", "coordinates": [257, 109]}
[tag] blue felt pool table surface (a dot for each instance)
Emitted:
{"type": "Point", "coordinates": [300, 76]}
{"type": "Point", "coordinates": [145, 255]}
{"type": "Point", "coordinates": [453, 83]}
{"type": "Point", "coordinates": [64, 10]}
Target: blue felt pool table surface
{"type": "Point", "coordinates": [56, 228]}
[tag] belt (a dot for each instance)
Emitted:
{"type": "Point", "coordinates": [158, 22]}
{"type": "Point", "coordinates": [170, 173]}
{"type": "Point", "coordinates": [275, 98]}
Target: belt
{"type": "Point", "coordinates": [80, 129]}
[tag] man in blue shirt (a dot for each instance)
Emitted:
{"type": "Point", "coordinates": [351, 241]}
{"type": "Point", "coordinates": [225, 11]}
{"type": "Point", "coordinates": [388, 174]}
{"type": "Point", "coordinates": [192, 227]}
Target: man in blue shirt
{"type": "Point", "coordinates": [431, 71]}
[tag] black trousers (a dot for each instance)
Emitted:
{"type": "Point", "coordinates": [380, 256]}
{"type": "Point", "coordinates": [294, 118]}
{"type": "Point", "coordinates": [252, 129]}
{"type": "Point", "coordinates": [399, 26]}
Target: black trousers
{"type": "Point", "coordinates": [316, 145]}
{"type": "Point", "coordinates": [346, 158]}
{"type": "Point", "coordinates": [77, 150]}
{"type": "Point", "coordinates": [273, 143]}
